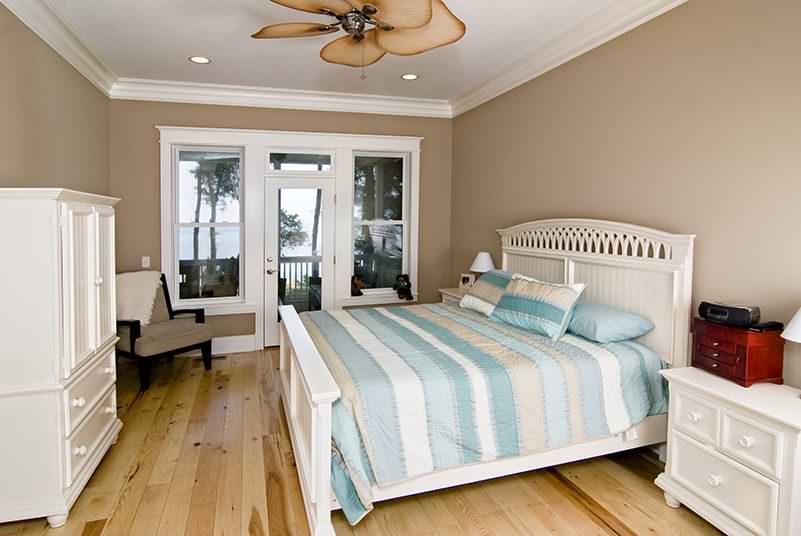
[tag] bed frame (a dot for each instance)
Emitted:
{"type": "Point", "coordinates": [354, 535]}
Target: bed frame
{"type": "Point", "coordinates": [634, 268]}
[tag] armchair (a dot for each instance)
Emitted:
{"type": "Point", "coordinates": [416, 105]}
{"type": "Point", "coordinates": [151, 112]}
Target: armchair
{"type": "Point", "coordinates": [170, 332]}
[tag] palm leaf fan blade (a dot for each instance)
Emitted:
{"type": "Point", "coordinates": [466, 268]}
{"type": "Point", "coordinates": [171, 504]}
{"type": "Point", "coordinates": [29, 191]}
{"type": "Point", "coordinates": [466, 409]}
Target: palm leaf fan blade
{"type": "Point", "coordinates": [398, 13]}
{"type": "Point", "coordinates": [445, 28]}
{"type": "Point", "coordinates": [293, 29]}
{"type": "Point", "coordinates": [347, 51]}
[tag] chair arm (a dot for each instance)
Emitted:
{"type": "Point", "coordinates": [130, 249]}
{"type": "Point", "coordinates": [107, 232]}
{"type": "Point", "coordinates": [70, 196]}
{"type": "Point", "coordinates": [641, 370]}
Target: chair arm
{"type": "Point", "coordinates": [134, 331]}
{"type": "Point", "coordinates": [200, 314]}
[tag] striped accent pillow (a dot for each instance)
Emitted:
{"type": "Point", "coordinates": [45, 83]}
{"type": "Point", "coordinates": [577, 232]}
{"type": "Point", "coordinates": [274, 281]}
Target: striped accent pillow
{"type": "Point", "coordinates": [485, 294]}
{"type": "Point", "coordinates": [544, 308]}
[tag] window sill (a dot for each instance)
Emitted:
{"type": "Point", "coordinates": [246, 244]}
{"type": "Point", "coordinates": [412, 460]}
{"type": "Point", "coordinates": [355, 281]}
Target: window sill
{"type": "Point", "coordinates": [218, 309]}
{"type": "Point", "coordinates": [375, 298]}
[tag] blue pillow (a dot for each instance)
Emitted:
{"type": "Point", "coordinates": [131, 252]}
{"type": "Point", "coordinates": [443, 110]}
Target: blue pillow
{"type": "Point", "coordinates": [603, 324]}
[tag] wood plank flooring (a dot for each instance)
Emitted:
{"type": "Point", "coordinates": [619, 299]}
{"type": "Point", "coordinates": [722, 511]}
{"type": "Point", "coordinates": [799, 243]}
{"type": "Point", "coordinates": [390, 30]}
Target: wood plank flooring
{"type": "Point", "coordinates": [209, 454]}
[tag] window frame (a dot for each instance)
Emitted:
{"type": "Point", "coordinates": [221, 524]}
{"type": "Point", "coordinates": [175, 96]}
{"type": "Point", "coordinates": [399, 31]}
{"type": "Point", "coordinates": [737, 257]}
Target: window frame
{"type": "Point", "coordinates": [404, 221]}
{"type": "Point", "coordinates": [299, 173]}
{"type": "Point", "coordinates": [177, 225]}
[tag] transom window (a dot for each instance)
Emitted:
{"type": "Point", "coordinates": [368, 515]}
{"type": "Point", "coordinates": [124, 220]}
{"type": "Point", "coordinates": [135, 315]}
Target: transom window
{"type": "Point", "coordinates": [379, 219]}
{"type": "Point", "coordinates": [208, 222]}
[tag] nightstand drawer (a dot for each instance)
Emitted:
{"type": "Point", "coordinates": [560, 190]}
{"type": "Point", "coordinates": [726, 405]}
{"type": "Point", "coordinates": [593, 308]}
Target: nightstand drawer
{"type": "Point", "coordinates": [740, 493]}
{"type": "Point", "coordinates": [697, 417]}
{"type": "Point", "coordinates": [755, 444]}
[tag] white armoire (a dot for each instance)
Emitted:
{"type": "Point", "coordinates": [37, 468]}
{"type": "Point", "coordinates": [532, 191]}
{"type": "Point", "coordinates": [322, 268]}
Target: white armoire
{"type": "Point", "coordinates": [58, 413]}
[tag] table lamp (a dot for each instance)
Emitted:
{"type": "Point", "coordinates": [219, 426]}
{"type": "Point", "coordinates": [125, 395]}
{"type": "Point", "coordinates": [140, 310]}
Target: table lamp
{"type": "Point", "coordinates": [792, 332]}
{"type": "Point", "coordinates": [483, 264]}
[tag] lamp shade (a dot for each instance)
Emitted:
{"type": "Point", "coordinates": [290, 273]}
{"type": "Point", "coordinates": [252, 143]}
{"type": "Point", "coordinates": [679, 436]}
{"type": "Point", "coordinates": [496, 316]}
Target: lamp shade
{"type": "Point", "coordinates": [793, 330]}
{"type": "Point", "coordinates": [483, 263]}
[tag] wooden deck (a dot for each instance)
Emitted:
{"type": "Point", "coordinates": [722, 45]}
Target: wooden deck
{"type": "Point", "coordinates": [209, 454]}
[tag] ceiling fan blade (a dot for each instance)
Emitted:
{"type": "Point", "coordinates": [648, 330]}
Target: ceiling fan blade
{"type": "Point", "coordinates": [346, 51]}
{"type": "Point", "coordinates": [294, 29]}
{"type": "Point", "coordinates": [445, 28]}
{"type": "Point", "coordinates": [340, 7]}
{"type": "Point", "coordinates": [397, 13]}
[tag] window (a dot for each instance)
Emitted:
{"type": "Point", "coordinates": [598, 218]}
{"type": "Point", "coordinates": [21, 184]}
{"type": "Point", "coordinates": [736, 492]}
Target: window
{"type": "Point", "coordinates": [380, 233]}
{"type": "Point", "coordinates": [208, 222]}
{"type": "Point", "coordinates": [301, 162]}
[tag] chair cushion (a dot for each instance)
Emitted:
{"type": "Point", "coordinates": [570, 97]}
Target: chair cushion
{"type": "Point", "coordinates": [165, 336]}
{"type": "Point", "coordinates": [160, 312]}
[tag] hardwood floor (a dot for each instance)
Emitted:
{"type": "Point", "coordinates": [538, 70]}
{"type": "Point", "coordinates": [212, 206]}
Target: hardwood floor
{"type": "Point", "coordinates": [209, 454]}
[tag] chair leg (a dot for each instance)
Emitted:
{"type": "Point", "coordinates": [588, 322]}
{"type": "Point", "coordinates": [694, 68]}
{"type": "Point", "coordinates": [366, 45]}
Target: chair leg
{"type": "Point", "coordinates": [144, 374]}
{"type": "Point", "coordinates": [206, 351]}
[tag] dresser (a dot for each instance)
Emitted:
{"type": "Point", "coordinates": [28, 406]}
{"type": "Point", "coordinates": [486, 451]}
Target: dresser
{"type": "Point", "coordinates": [733, 453]}
{"type": "Point", "coordinates": [58, 411]}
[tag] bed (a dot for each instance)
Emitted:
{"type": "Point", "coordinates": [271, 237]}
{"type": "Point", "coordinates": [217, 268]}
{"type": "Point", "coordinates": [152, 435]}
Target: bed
{"type": "Point", "coordinates": [516, 401]}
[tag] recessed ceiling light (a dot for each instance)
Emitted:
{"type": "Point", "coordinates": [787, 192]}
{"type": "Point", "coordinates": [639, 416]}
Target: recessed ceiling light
{"type": "Point", "coordinates": [202, 60]}
{"type": "Point", "coordinates": [410, 77]}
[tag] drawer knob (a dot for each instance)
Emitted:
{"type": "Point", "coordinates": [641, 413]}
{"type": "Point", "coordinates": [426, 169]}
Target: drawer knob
{"type": "Point", "coordinates": [715, 365]}
{"type": "Point", "coordinates": [98, 281]}
{"type": "Point", "coordinates": [78, 402]}
{"type": "Point", "coordinates": [694, 417]}
{"type": "Point", "coordinates": [715, 344]}
{"type": "Point", "coordinates": [79, 451]}
{"type": "Point", "coordinates": [109, 410]}
{"type": "Point", "coordinates": [714, 480]}
{"type": "Point", "coordinates": [716, 354]}
{"type": "Point", "coordinates": [108, 370]}
{"type": "Point", "coordinates": [747, 442]}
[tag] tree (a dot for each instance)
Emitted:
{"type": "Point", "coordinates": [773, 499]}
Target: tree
{"type": "Point", "coordinates": [292, 234]}
{"type": "Point", "coordinates": [217, 182]}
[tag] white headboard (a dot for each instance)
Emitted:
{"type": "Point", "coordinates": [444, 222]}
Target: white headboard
{"type": "Point", "coordinates": [634, 268]}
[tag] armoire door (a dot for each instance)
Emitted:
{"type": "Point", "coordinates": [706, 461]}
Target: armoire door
{"type": "Point", "coordinates": [79, 294]}
{"type": "Point", "coordinates": [106, 316]}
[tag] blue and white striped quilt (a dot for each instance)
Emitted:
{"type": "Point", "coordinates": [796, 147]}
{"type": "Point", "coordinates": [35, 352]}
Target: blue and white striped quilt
{"type": "Point", "coordinates": [429, 387]}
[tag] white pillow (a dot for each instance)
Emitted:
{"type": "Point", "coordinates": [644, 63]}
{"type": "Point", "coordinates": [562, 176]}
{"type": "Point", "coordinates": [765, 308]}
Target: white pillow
{"type": "Point", "coordinates": [136, 294]}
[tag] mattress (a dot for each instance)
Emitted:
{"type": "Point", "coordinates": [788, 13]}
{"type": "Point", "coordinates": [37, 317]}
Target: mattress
{"type": "Point", "coordinates": [431, 387]}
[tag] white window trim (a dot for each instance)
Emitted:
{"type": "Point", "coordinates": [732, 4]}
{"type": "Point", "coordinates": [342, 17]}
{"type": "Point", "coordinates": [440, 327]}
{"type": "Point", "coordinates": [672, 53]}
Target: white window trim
{"type": "Point", "coordinates": [257, 144]}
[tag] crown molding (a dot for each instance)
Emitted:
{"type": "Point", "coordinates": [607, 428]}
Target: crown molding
{"type": "Point", "coordinates": [609, 23]}
{"type": "Point", "coordinates": [261, 97]}
{"type": "Point", "coordinates": [618, 18]}
{"type": "Point", "coordinates": [46, 22]}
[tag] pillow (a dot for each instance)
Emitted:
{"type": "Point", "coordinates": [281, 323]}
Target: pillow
{"type": "Point", "coordinates": [603, 324]}
{"type": "Point", "coordinates": [485, 294]}
{"type": "Point", "coordinates": [543, 308]}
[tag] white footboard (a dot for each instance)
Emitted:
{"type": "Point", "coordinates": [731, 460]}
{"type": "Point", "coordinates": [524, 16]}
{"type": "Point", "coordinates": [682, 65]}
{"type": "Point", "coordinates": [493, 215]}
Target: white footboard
{"type": "Point", "coordinates": [308, 390]}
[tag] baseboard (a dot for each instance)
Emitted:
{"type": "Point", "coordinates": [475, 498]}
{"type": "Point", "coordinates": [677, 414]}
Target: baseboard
{"type": "Point", "coordinates": [229, 345]}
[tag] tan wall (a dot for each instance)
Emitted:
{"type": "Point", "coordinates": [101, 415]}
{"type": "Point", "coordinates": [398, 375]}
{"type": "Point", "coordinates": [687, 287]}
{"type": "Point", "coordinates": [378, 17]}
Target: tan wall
{"type": "Point", "coordinates": [53, 122]}
{"type": "Point", "coordinates": [135, 173]}
{"type": "Point", "coordinates": [691, 123]}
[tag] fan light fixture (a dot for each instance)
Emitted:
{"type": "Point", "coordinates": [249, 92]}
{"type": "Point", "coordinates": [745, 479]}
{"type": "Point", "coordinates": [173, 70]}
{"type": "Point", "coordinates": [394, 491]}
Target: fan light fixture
{"type": "Point", "coordinates": [200, 60]}
{"type": "Point", "coordinates": [410, 76]}
{"type": "Point", "coordinates": [374, 27]}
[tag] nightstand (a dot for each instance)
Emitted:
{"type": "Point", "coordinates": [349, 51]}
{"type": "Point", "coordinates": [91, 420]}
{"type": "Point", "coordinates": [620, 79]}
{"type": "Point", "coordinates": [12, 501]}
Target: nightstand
{"type": "Point", "coordinates": [734, 453]}
{"type": "Point", "coordinates": [452, 295]}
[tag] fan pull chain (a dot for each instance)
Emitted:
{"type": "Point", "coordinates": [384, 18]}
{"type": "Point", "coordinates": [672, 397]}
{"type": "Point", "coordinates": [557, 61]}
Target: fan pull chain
{"type": "Point", "coordinates": [364, 76]}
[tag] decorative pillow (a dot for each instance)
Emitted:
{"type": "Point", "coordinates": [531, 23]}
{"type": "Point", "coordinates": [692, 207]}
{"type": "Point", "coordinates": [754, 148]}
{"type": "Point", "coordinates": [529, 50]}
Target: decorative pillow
{"type": "Point", "coordinates": [603, 324]}
{"type": "Point", "coordinates": [544, 308]}
{"type": "Point", "coordinates": [485, 294]}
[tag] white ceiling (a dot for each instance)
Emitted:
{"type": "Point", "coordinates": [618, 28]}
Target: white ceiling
{"type": "Point", "coordinates": [152, 39]}
{"type": "Point", "coordinates": [138, 49]}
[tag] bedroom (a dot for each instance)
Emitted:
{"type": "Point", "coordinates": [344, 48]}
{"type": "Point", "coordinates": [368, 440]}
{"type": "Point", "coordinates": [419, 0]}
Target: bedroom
{"type": "Point", "coordinates": [675, 116]}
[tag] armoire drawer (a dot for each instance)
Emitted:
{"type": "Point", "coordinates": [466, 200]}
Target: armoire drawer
{"type": "Point", "coordinates": [83, 394]}
{"type": "Point", "coordinates": [699, 418]}
{"type": "Point", "coordinates": [85, 440]}
{"type": "Point", "coordinates": [737, 491]}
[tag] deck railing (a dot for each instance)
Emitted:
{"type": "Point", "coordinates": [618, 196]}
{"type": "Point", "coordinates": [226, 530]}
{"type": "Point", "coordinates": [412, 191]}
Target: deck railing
{"type": "Point", "coordinates": [296, 271]}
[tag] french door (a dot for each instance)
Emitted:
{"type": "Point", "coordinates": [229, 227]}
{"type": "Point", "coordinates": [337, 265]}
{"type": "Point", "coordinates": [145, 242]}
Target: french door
{"type": "Point", "coordinates": [299, 248]}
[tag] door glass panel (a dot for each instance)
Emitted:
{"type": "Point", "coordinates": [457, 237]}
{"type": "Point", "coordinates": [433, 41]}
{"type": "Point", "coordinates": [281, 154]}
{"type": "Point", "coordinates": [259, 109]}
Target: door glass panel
{"type": "Point", "coordinates": [208, 186]}
{"type": "Point", "coordinates": [208, 262]}
{"type": "Point", "coordinates": [378, 188]}
{"type": "Point", "coordinates": [300, 162]}
{"type": "Point", "coordinates": [378, 254]}
{"type": "Point", "coordinates": [300, 237]}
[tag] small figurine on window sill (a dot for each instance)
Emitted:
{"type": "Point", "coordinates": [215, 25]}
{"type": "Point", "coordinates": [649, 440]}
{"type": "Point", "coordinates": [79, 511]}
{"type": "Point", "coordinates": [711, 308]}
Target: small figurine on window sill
{"type": "Point", "coordinates": [404, 287]}
{"type": "Point", "coordinates": [356, 286]}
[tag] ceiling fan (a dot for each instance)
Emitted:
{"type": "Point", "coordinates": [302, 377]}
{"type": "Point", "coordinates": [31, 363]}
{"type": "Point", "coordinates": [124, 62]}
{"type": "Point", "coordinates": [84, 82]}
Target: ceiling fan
{"type": "Point", "coordinates": [374, 27]}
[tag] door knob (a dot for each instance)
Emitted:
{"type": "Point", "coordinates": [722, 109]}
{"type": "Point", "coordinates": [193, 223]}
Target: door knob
{"type": "Point", "coordinates": [269, 271]}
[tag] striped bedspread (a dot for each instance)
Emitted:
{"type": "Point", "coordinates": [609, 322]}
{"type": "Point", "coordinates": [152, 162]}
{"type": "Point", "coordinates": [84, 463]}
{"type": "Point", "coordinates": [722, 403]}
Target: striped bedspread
{"type": "Point", "coordinates": [428, 387]}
